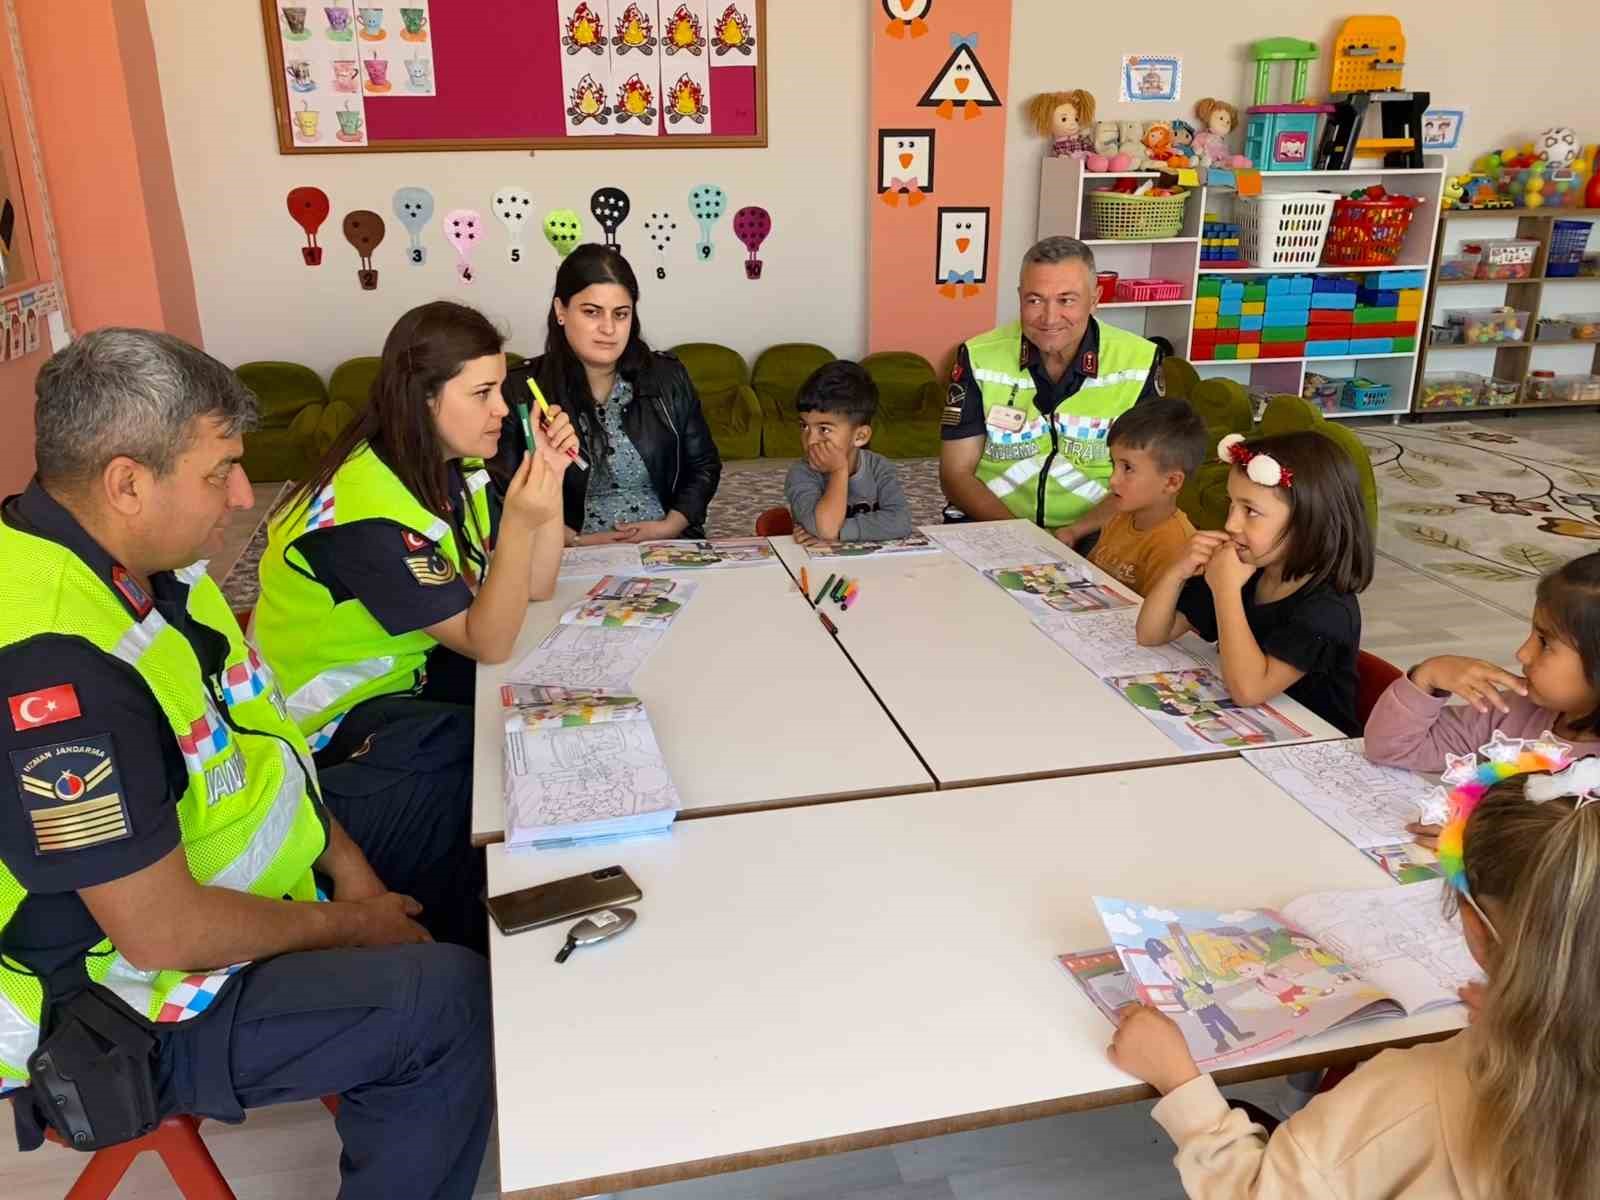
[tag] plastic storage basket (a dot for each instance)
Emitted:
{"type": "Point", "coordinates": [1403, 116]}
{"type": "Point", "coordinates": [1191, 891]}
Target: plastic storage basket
{"type": "Point", "coordinates": [1284, 230]}
{"type": "Point", "coordinates": [1123, 216]}
{"type": "Point", "coordinates": [1368, 233]}
{"type": "Point", "coordinates": [1146, 290]}
{"type": "Point", "coordinates": [1567, 242]}
{"type": "Point", "coordinates": [1363, 394]}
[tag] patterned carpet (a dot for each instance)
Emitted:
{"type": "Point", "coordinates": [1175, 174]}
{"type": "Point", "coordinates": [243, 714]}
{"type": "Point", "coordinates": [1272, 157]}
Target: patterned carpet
{"type": "Point", "coordinates": [748, 489]}
{"type": "Point", "coordinates": [1484, 509]}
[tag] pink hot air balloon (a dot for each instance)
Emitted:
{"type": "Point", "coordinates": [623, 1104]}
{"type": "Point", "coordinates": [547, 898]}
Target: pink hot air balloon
{"type": "Point", "coordinates": [309, 207]}
{"type": "Point", "coordinates": [463, 229]}
{"type": "Point", "coordinates": [751, 226]}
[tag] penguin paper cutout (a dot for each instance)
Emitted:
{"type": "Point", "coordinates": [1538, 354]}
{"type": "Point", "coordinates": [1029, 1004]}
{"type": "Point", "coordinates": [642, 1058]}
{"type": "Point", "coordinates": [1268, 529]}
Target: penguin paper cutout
{"type": "Point", "coordinates": [907, 17]}
{"type": "Point", "coordinates": [364, 230]}
{"type": "Point", "coordinates": [513, 207]}
{"type": "Point", "coordinates": [413, 206]}
{"type": "Point", "coordinates": [309, 207]}
{"type": "Point", "coordinates": [659, 228]}
{"type": "Point", "coordinates": [707, 202]}
{"type": "Point", "coordinates": [462, 229]}
{"type": "Point", "coordinates": [610, 207]}
{"type": "Point", "coordinates": [962, 81]}
{"type": "Point", "coordinates": [563, 229]}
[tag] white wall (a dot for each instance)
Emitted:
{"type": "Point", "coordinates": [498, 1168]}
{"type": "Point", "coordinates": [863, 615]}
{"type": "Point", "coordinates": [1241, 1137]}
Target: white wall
{"type": "Point", "coordinates": [1516, 68]}
{"type": "Point", "coordinates": [257, 299]}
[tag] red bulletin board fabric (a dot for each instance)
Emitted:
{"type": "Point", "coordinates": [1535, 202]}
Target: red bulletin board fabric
{"type": "Point", "coordinates": [906, 308]}
{"type": "Point", "coordinates": [498, 66]}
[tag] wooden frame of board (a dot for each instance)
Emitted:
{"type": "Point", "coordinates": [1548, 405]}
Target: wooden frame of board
{"type": "Point", "coordinates": [679, 141]}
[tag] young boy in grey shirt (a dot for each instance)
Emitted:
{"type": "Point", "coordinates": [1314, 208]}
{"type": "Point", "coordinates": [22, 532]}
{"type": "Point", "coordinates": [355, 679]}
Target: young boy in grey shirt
{"type": "Point", "coordinates": [841, 491]}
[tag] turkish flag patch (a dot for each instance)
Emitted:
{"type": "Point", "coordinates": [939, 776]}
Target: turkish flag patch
{"type": "Point", "coordinates": [44, 707]}
{"type": "Point", "coordinates": [414, 541]}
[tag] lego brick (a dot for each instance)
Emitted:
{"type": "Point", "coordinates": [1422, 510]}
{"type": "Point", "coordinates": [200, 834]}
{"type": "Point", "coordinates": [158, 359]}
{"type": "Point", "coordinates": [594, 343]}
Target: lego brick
{"type": "Point", "coordinates": [1371, 345]}
{"type": "Point", "coordinates": [1328, 347]}
{"type": "Point", "coordinates": [1251, 321]}
{"type": "Point", "coordinates": [1375, 316]}
{"type": "Point", "coordinates": [1207, 304]}
{"type": "Point", "coordinates": [1402, 279]}
{"type": "Point", "coordinates": [1301, 285]}
{"type": "Point", "coordinates": [1404, 345]}
{"type": "Point", "coordinates": [1251, 351]}
{"type": "Point", "coordinates": [1205, 320]}
{"type": "Point", "coordinates": [1255, 291]}
{"type": "Point", "coordinates": [1253, 308]}
{"type": "Point", "coordinates": [1209, 288]}
{"type": "Point", "coordinates": [1232, 289]}
{"type": "Point", "coordinates": [1228, 321]}
{"type": "Point", "coordinates": [1227, 352]}
{"type": "Point", "coordinates": [1228, 337]}
{"type": "Point", "coordinates": [1333, 300]}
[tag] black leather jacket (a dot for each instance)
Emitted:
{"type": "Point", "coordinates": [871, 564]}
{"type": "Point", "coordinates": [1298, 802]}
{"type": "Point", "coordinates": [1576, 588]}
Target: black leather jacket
{"type": "Point", "coordinates": [666, 427]}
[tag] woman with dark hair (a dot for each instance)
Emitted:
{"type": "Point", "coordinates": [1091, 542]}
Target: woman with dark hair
{"type": "Point", "coordinates": [653, 467]}
{"type": "Point", "coordinates": [375, 584]}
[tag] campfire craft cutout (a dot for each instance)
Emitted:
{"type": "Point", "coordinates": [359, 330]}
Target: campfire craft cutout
{"type": "Point", "coordinates": [732, 33]}
{"type": "Point", "coordinates": [686, 101]}
{"type": "Point", "coordinates": [635, 31]}
{"type": "Point", "coordinates": [683, 34]}
{"type": "Point", "coordinates": [587, 102]}
{"type": "Point", "coordinates": [635, 102]}
{"type": "Point", "coordinates": [584, 32]}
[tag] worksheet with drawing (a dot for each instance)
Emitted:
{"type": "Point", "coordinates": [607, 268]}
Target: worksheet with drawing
{"type": "Point", "coordinates": [587, 656]}
{"type": "Point", "coordinates": [1364, 803]}
{"type": "Point", "coordinates": [986, 545]}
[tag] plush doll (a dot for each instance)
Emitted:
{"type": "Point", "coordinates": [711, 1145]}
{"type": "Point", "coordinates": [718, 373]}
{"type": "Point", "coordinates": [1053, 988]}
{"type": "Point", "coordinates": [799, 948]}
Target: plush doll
{"type": "Point", "coordinates": [1183, 154]}
{"type": "Point", "coordinates": [1220, 119]}
{"type": "Point", "coordinates": [1106, 156]}
{"type": "Point", "coordinates": [1066, 118]}
{"type": "Point", "coordinates": [1157, 142]}
{"type": "Point", "coordinates": [1130, 140]}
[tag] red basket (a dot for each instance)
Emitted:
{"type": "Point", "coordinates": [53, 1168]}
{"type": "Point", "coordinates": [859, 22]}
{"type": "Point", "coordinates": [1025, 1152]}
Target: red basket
{"type": "Point", "coordinates": [1368, 233]}
{"type": "Point", "coordinates": [1149, 289]}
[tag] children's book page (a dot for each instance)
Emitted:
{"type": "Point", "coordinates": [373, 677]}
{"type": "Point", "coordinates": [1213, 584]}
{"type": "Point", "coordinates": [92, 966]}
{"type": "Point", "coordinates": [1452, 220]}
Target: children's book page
{"type": "Point", "coordinates": [1193, 708]}
{"type": "Point", "coordinates": [569, 782]}
{"type": "Point", "coordinates": [986, 545]}
{"type": "Point", "coordinates": [591, 562]}
{"type": "Point", "coordinates": [1405, 862]}
{"type": "Point", "coordinates": [700, 555]}
{"type": "Point", "coordinates": [1364, 803]}
{"type": "Point", "coordinates": [631, 601]}
{"type": "Point", "coordinates": [1056, 587]}
{"type": "Point", "coordinates": [1396, 937]}
{"type": "Point", "coordinates": [913, 543]}
{"type": "Point", "coordinates": [1107, 644]}
{"type": "Point", "coordinates": [581, 656]}
{"type": "Point", "coordinates": [1237, 982]}
{"type": "Point", "coordinates": [1102, 977]}
{"type": "Point", "coordinates": [536, 706]}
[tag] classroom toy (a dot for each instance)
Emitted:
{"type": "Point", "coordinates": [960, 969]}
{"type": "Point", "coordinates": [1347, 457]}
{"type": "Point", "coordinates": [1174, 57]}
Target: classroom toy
{"type": "Point", "coordinates": [1368, 67]}
{"type": "Point", "coordinates": [1501, 258]}
{"type": "Point", "coordinates": [1066, 118]}
{"type": "Point", "coordinates": [1368, 228]}
{"type": "Point", "coordinates": [1219, 119]}
{"type": "Point", "coordinates": [1280, 137]}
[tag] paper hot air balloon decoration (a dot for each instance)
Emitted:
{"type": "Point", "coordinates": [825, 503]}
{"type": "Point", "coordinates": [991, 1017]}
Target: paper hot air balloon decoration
{"type": "Point", "coordinates": [462, 227]}
{"type": "Point", "coordinates": [513, 207]}
{"type": "Point", "coordinates": [309, 208]}
{"type": "Point", "coordinates": [610, 207]}
{"type": "Point", "coordinates": [563, 229]}
{"type": "Point", "coordinates": [751, 226]}
{"type": "Point", "coordinates": [413, 207]}
{"type": "Point", "coordinates": [364, 230]}
{"type": "Point", "coordinates": [659, 228]}
{"type": "Point", "coordinates": [707, 202]}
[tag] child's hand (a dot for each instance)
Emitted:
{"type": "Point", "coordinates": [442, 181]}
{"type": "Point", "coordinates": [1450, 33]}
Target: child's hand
{"type": "Point", "coordinates": [1227, 572]}
{"type": "Point", "coordinates": [1199, 551]}
{"type": "Point", "coordinates": [804, 538]}
{"type": "Point", "coordinates": [1426, 836]}
{"type": "Point", "coordinates": [1149, 1045]}
{"type": "Point", "coordinates": [827, 459]}
{"type": "Point", "coordinates": [1477, 682]}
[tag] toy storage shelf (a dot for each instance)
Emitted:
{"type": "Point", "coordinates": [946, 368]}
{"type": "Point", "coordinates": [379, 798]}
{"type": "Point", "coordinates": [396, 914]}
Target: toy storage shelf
{"type": "Point", "coordinates": [1512, 361]}
{"type": "Point", "coordinates": [1063, 209]}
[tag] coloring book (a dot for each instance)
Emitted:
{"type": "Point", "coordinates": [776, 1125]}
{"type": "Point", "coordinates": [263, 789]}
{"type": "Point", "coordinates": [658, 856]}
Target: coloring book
{"type": "Point", "coordinates": [704, 555]}
{"type": "Point", "coordinates": [630, 601]}
{"type": "Point", "coordinates": [1194, 709]}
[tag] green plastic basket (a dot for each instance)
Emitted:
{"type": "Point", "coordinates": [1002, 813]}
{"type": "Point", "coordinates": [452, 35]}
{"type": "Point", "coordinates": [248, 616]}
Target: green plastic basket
{"type": "Point", "coordinates": [1120, 215]}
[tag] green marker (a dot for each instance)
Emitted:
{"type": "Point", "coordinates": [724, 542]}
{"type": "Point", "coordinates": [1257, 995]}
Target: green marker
{"type": "Point", "coordinates": [544, 423]}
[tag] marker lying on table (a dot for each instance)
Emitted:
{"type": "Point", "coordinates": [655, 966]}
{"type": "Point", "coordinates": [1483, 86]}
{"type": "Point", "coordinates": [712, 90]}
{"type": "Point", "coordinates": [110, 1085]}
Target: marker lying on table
{"type": "Point", "coordinates": [544, 423]}
{"type": "Point", "coordinates": [850, 594]}
{"type": "Point", "coordinates": [826, 588]}
{"type": "Point", "coordinates": [805, 584]}
{"type": "Point", "coordinates": [827, 624]}
{"type": "Point", "coordinates": [838, 589]}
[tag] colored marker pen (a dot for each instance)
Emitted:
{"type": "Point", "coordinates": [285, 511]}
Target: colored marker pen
{"type": "Point", "coordinates": [544, 423]}
{"type": "Point", "coordinates": [827, 587]}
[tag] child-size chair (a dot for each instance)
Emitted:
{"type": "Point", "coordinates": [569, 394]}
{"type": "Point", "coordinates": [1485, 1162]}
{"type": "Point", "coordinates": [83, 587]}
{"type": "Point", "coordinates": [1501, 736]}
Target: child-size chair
{"type": "Point", "coordinates": [778, 374]}
{"type": "Point", "coordinates": [1373, 677]}
{"type": "Point", "coordinates": [910, 403]}
{"type": "Point", "coordinates": [775, 522]}
{"type": "Point", "coordinates": [722, 382]}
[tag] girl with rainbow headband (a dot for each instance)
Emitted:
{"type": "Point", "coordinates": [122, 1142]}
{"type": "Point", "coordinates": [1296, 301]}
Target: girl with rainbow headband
{"type": "Point", "coordinates": [1504, 1109]}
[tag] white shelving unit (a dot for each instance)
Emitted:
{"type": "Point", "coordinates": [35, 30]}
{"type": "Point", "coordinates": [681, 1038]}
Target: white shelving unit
{"type": "Point", "coordinates": [1063, 209]}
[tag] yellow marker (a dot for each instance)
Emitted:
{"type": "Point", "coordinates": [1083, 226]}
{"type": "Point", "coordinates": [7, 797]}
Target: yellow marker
{"type": "Point", "coordinates": [544, 423]}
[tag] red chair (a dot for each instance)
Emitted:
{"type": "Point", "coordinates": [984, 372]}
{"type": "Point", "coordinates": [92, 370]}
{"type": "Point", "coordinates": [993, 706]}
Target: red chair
{"type": "Point", "coordinates": [775, 522]}
{"type": "Point", "coordinates": [177, 1140]}
{"type": "Point", "coordinates": [1373, 677]}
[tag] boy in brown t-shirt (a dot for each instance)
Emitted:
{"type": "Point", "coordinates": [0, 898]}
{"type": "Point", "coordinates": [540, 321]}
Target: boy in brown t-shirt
{"type": "Point", "coordinates": [1155, 446]}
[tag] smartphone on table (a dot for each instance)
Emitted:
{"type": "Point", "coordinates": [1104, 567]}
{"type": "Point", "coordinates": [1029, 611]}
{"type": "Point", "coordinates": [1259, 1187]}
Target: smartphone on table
{"type": "Point", "coordinates": [561, 899]}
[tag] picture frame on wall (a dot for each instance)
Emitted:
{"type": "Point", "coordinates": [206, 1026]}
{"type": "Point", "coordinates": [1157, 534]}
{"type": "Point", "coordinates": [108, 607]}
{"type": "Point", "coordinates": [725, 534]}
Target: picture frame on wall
{"type": "Point", "coordinates": [1150, 78]}
{"type": "Point", "coordinates": [1441, 128]}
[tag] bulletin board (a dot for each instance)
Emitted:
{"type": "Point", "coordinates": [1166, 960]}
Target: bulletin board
{"type": "Point", "coordinates": [511, 75]}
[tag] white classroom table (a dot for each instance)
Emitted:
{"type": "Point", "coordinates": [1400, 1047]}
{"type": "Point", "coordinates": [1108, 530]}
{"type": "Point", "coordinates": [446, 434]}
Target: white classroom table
{"type": "Point", "coordinates": [751, 703]}
{"type": "Point", "coordinates": [983, 695]}
{"type": "Point", "coordinates": [809, 981]}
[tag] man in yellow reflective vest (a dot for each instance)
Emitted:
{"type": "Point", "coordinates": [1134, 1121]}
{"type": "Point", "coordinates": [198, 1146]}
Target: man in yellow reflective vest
{"type": "Point", "coordinates": [1030, 403]}
{"type": "Point", "coordinates": [184, 925]}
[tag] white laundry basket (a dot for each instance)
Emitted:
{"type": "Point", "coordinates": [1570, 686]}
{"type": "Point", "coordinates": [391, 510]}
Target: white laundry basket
{"type": "Point", "coordinates": [1286, 229]}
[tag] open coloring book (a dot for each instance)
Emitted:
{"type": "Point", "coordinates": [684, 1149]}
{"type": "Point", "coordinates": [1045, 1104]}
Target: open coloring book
{"type": "Point", "coordinates": [1254, 980]}
{"type": "Point", "coordinates": [630, 601]}
{"type": "Point", "coordinates": [591, 562]}
{"type": "Point", "coordinates": [586, 657]}
{"type": "Point", "coordinates": [700, 555]}
{"type": "Point", "coordinates": [912, 543]}
{"type": "Point", "coordinates": [1364, 803]}
{"type": "Point", "coordinates": [1107, 644]}
{"type": "Point", "coordinates": [580, 767]}
{"type": "Point", "coordinates": [985, 545]}
{"type": "Point", "coordinates": [1044, 588]}
{"type": "Point", "coordinates": [1194, 709]}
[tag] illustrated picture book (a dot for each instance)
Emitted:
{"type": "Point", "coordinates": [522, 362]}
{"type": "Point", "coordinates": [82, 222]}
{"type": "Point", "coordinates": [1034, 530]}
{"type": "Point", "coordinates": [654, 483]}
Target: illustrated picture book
{"type": "Point", "coordinates": [706, 555]}
{"type": "Point", "coordinates": [912, 543]}
{"type": "Point", "coordinates": [1056, 587]}
{"type": "Point", "coordinates": [1193, 708]}
{"type": "Point", "coordinates": [630, 601]}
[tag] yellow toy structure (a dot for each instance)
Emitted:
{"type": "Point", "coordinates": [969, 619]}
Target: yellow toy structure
{"type": "Point", "coordinates": [1369, 55]}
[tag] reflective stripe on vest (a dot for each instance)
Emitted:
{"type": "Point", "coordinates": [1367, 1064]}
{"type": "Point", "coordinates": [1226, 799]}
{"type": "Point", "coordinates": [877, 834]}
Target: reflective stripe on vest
{"type": "Point", "coordinates": [333, 656]}
{"type": "Point", "coordinates": [245, 816]}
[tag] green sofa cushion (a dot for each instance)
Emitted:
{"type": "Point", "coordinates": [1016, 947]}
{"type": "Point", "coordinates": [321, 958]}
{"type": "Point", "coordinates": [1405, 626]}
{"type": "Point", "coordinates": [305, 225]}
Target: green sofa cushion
{"type": "Point", "coordinates": [778, 374]}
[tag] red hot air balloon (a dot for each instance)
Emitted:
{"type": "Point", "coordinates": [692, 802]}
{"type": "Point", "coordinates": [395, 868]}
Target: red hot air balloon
{"type": "Point", "coordinates": [309, 208]}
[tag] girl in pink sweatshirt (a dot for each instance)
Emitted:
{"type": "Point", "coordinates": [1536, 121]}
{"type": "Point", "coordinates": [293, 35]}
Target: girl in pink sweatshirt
{"type": "Point", "coordinates": [1414, 725]}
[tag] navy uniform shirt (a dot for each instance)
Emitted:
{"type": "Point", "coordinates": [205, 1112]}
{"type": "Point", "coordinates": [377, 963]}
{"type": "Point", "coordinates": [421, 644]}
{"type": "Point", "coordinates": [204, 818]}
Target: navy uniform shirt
{"type": "Point", "coordinates": [963, 413]}
{"type": "Point", "coordinates": [81, 726]}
